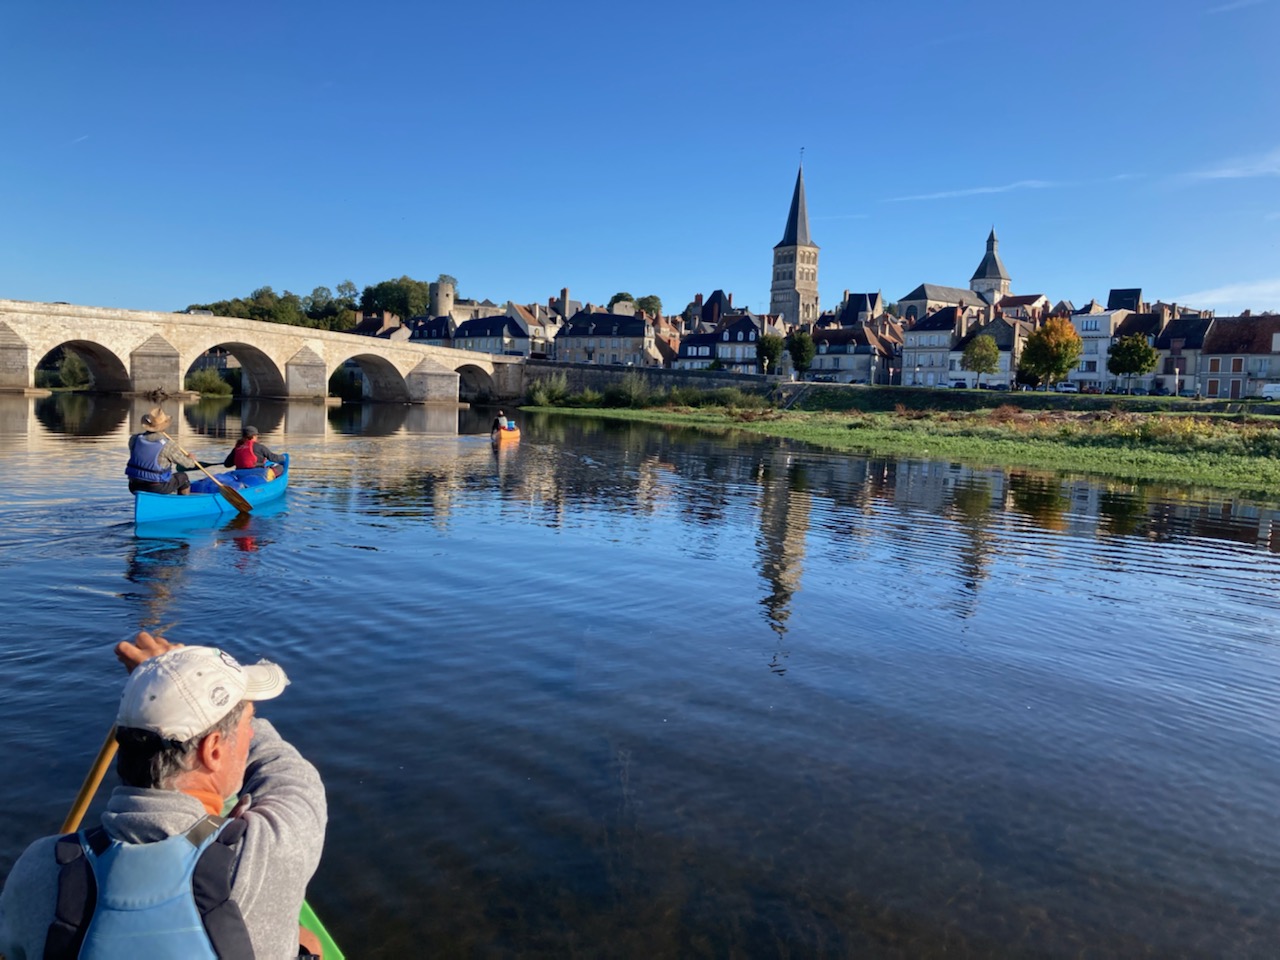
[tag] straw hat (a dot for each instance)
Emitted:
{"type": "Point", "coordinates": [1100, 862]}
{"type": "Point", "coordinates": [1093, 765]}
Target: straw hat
{"type": "Point", "coordinates": [155, 420]}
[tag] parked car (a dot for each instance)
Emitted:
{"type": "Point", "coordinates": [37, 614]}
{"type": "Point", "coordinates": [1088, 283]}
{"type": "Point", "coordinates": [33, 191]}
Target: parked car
{"type": "Point", "coordinates": [959, 385]}
{"type": "Point", "coordinates": [1065, 387]}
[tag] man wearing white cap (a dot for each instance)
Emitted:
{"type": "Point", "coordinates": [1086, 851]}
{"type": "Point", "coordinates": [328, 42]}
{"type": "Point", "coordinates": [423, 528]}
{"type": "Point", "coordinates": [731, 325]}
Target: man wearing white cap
{"type": "Point", "coordinates": [188, 744]}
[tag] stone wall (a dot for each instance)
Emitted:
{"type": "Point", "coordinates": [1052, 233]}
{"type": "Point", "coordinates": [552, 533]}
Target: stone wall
{"type": "Point", "coordinates": [598, 377]}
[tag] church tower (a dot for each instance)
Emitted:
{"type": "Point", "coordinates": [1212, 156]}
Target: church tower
{"type": "Point", "coordinates": [990, 281]}
{"type": "Point", "coordinates": [794, 293]}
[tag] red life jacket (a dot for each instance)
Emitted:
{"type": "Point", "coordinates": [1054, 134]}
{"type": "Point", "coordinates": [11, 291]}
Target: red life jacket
{"type": "Point", "coordinates": [245, 458]}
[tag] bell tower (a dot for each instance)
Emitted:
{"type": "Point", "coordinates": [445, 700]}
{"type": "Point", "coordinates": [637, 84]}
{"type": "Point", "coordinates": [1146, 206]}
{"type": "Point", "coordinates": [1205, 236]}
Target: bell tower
{"type": "Point", "coordinates": [794, 291]}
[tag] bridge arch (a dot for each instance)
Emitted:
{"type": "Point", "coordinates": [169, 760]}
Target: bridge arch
{"type": "Point", "coordinates": [475, 383]}
{"type": "Point", "coordinates": [107, 372]}
{"type": "Point", "coordinates": [260, 376]}
{"type": "Point", "coordinates": [382, 379]}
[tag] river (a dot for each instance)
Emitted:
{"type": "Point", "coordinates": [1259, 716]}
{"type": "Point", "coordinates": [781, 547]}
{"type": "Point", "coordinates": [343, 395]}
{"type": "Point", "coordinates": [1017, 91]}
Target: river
{"type": "Point", "coordinates": [625, 691]}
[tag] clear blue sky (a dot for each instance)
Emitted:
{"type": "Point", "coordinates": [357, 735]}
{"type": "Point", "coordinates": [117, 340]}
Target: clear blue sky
{"type": "Point", "coordinates": [159, 154]}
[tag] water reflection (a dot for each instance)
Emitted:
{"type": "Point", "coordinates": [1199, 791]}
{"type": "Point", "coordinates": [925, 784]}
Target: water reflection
{"type": "Point", "coordinates": [156, 567]}
{"type": "Point", "coordinates": [81, 414]}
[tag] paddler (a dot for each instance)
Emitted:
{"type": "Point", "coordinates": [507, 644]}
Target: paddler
{"type": "Point", "coordinates": [166, 874]}
{"type": "Point", "coordinates": [155, 462]}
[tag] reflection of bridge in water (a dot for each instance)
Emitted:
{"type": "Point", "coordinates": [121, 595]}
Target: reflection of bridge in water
{"type": "Point", "coordinates": [139, 352]}
{"type": "Point", "coordinates": [26, 420]}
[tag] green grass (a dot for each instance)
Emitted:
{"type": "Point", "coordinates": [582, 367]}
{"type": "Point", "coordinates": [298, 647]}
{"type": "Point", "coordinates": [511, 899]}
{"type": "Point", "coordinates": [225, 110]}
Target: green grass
{"type": "Point", "coordinates": [1229, 452]}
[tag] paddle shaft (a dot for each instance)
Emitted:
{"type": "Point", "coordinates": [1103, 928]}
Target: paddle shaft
{"type": "Point", "coordinates": [91, 781]}
{"type": "Point", "coordinates": [232, 497]}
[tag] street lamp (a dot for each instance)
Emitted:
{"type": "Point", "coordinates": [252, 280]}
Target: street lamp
{"type": "Point", "coordinates": [917, 380]}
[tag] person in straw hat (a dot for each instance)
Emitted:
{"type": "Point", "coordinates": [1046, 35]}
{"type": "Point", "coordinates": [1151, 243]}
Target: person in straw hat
{"type": "Point", "coordinates": [155, 462]}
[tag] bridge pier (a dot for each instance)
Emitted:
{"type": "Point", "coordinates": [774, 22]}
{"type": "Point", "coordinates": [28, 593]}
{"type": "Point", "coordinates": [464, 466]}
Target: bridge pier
{"type": "Point", "coordinates": [15, 361]}
{"type": "Point", "coordinates": [304, 376]}
{"type": "Point", "coordinates": [154, 365]}
{"type": "Point", "coordinates": [432, 383]}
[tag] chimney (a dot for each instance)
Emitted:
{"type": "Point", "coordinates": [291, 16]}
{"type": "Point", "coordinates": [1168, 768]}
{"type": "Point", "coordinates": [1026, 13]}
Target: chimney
{"type": "Point", "coordinates": [697, 300]}
{"type": "Point", "coordinates": [846, 297]}
{"type": "Point", "coordinates": [564, 301]}
{"type": "Point", "coordinates": [731, 299]}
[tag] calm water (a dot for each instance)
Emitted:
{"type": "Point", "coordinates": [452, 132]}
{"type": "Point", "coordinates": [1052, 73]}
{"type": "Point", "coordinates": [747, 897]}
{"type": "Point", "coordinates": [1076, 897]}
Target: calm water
{"type": "Point", "coordinates": [631, 692]}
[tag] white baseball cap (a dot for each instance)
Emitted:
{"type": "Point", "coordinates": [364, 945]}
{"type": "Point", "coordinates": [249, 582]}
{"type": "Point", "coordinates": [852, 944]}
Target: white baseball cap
{"type": "Point", "coordinates": [184, 692]}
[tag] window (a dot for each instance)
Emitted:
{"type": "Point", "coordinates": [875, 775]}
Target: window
{"type": "Point", "coordinates": [726, 335]}
{"type": "Point", "coordinates": [1088, 324]}
{"type": "Point", "coordinates": [1213, 388]}
{"type": "Point", "coordinates": [739, 334]}
{"type": "Point", "coordinates": [1090, 366]}
{"type": "Point", "coordinates": [1215, 365]}
{"type": "Point", "coordinates": [1237, 364]}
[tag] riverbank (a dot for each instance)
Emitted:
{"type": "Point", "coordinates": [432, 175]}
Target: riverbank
{"type": "Point", "coordinates": [1232, 452]}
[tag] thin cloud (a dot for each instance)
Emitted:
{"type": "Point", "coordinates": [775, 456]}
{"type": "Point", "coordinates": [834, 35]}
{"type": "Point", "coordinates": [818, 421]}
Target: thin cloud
{"type": "Point", "coordinates": [845, 216]}
{"type": "Point", "coordinates": [1257, 295]}
{"type": "Point", "coordinates": [1234, 5]}
{"type": "Point", "coordinates": [1264, 165]}
{"type": "Point", "coordinates": [977, 191]}
{"type": "Point", "coordinates": [81, 139]}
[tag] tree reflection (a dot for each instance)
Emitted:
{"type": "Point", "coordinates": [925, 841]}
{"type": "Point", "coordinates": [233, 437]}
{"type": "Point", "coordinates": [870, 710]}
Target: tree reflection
{"type": "Point", "coordinates": [82, 414]}
{"type": "Point", "coordinates": [1040, 498]}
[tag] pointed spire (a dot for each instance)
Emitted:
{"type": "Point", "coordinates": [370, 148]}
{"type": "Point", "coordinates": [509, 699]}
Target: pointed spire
{"type": "Point", "coordinates": [991, 268]}
{"type": "Point", "coordinates": [797, 232]}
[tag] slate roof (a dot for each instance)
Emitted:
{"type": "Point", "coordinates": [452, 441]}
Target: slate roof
{"type": "Point", "coordinates": [698, 340]}
{"type": "Point", "coordinates": [869, 303]}
{"type": "Point", "coordinates": [489, 327]}
{"type": "Point", "coordinates": [1126, 298]}
{"type": "Point", "coordinates": [944, 319]}
{"type": "Point", "coordinates": [936, 291]}
{"type": "Point", "coordinates": [1022, 301]}
{"type": "Point", "coordinates": [431, 328]}
{"type": "Point", "coordinates": [1003, 330]}
{"type": "Point", "coordinates": [586, 324]}
{"type": "Point", "coordinates": [1241, 334]}
{"type": "Point", "coordinates": [1147, 324]}
{"type": "Point", "coordinates": [797, 232]}
{"type": "Point", "coordinates": [1190, 330]}
{"type": "Point", "coordinates": [716, 307]}
{"type": "Point", "coordinates": [991, 268]}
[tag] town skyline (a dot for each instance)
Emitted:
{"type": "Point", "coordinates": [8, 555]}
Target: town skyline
{"type": "Point", "coordinates": [169, 160]}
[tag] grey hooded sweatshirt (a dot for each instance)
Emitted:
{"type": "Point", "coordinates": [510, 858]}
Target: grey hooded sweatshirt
{"type": "Point", "coordinates": [284, 835]}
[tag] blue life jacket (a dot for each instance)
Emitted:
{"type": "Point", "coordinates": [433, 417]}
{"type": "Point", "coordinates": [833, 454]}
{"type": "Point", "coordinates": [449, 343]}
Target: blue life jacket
{"type": "Point", "coordinates": [167, 900]}
{"type": "Point", "coordinates": [144, 459]}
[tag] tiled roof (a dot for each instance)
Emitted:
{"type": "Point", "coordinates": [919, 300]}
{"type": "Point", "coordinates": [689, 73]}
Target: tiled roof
{"type": "Point", "coordinates": [1242, 334]}
{"type": "Point", "coordinates": [1022, 301]}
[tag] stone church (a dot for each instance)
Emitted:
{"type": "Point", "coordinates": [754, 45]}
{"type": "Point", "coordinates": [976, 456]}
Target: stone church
{"type": "Point", "coordinates": [794, 292]}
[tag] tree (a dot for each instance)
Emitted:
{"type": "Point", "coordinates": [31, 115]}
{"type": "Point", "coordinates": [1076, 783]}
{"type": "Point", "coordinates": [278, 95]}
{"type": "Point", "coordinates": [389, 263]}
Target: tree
{"type": "Point", "coordinates": [1131, 355]}
{"type": "Point", "coordinates": [318, 302]}
{"type": "Point", "coordinates": [769, 352]}
{"type": "Point", "coordinates": [448, 278]}
{"type": "Point", "coordinates": [801, 347]}
{"type": "Point", "coordinates": [619, 298]}
{"type": "Point", "coordinates": [347, 291]}
{"type": "Point", "coordinates": [652, 305]}
{"type": "Point", "coordinates": [1050, 352]}
{"type": "Point", "coordinates": [72, 371]}
{"type": "Point", "coordinates": [981, 355]}
{"type": "Point", "coordinates": [405, 297]}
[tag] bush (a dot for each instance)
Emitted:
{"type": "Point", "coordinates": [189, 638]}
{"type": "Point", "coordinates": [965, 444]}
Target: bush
{"type": "Point", "coordinates": [206, 381]}
{"type": "Point", "coordinates": [48, 379]}
{"type": "Point", "coordinates": [549, 391]}
{"type": "Point", "coordinates": [72, 371]}
{"type": "Point", "coordinates": [632, 391]}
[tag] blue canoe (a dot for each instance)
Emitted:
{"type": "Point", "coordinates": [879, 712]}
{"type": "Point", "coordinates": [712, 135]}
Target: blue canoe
{"type": "Point", "coordinates": [250, 484]}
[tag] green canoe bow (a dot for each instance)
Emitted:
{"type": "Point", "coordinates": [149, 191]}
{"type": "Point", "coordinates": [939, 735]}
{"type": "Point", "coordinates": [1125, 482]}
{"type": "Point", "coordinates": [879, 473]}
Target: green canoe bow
{"type": "Point", "coordinates": [307, 918]}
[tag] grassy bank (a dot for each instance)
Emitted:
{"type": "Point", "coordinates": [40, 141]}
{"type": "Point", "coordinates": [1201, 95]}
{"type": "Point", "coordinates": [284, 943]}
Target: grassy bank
{"type": "Point", "coordinates": [1233, 452]}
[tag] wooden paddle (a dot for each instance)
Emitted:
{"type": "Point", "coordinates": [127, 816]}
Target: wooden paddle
{"type": "Point", "coordinates": [91, 781]}
{"type": "Point", "coordinates": [232, 497]}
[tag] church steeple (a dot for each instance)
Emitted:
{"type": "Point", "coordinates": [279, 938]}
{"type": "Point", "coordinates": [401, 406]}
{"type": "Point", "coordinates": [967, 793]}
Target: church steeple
{"type": "Point", "coordinates": [794, 292]}
{"type": "Point", "coordinates": [990, 280]}
{"type": "Point", "coordinates": [797, 231]}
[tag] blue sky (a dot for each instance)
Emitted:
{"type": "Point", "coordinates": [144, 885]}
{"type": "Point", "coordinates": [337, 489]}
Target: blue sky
{"type": "Point", "coordinates": [159, 154]}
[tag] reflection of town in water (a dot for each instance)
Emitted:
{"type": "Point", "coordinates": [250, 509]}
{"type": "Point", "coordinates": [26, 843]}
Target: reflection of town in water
{"type": "Point", "coordinates": [417, 461]}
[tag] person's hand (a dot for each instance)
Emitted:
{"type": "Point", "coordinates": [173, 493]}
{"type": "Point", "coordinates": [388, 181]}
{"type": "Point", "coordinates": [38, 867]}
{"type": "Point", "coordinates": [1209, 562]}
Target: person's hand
{"type": "Point", "coordinates": [142, 648]}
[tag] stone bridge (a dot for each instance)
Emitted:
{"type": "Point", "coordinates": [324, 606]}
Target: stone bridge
{"type": "Point", "coordinates": [138, 352]}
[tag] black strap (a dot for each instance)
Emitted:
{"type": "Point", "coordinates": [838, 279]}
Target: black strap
{"type": "Point", "coordinates": [77, 896]}
{"type": "Point", "coordinates": [211, 884]}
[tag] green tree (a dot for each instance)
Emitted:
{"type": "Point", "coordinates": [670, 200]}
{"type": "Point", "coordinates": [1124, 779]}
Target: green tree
{"type": "Point", "coordinates": [347, 291]}
{"type": "Point", "coordinates": [318, 302]}
{"type": "Point", "coordinates": [769, 352]}
{"type": "Point", "coordinates": [802, 349]}
{"type": "Point", "coordinates": [405, 297]}
{"type": "Point", "coordinates": [72, 371]}
{"type": "Point", "coordinates": [652, 305]}
{"type": "Point", "coordinates": [619, 298]}
{"type": "Point", "coordinates": [981, 355]}
{"type": "Point", "coordinates": [1131, 355]}
{"type": "Point", "coordinates": [448, 278]}
{"type": "Point", "coordinates": [1050, 352]}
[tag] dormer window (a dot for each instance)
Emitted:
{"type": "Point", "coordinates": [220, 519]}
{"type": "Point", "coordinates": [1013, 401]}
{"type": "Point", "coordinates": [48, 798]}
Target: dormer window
{"type": "Point", "coordinates": [739, 336]}
{"type": "Point", "coordinates": [726, 335]}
